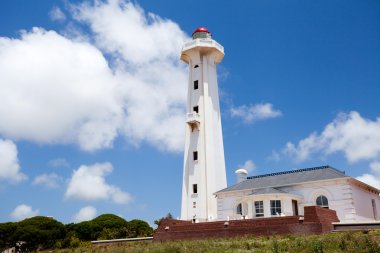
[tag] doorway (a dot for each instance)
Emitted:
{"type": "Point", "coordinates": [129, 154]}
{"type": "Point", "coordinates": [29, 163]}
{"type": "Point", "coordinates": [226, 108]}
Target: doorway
{"type": "Point", "coordinates": [295, 207]}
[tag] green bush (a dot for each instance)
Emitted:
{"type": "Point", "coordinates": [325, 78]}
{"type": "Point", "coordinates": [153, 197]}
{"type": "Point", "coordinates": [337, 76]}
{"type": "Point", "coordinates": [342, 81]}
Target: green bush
{"type": "Point", "coordinates": [6, 232]}
{"type": "Point", "coordinates": [139, 228]}
{"type": "Point", "coordinates": [39, 232]}
{"type": "Point", "coordinates": [36, 233]}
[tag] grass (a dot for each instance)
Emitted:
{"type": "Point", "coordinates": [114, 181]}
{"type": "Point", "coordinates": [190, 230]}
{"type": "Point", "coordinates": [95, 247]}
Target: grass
{"type": "Point", "coordinates": [355, 242]}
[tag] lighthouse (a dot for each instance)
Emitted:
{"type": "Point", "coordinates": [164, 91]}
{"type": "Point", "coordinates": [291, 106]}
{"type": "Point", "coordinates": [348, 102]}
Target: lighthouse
{"type": "Point", "coordinates": [204, 170]}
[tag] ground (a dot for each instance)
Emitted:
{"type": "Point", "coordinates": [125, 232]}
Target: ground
{"type": "Point", "coordinates": [365, 241]}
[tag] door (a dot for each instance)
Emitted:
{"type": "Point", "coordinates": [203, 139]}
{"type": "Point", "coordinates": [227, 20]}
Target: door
{"type": "Point", "coordinates": [295, 207]}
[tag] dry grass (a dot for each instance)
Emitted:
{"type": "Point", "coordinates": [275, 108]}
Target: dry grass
{"type": "Point", "coordinates": [355, 242]}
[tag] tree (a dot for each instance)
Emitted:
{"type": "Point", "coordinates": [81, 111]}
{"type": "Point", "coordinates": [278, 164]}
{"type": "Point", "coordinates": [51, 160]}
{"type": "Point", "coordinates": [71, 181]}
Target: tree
{"type": "Point", "coordinates": [6, 232]}
{"type": "Point", "coordinates": [106, 226]}
{"type": "Point", "coordinates": [139, 228]}
{"type": "Point", "coordinates": [168, 216]}
{"type": "Point", "coordinates": [37, 233]}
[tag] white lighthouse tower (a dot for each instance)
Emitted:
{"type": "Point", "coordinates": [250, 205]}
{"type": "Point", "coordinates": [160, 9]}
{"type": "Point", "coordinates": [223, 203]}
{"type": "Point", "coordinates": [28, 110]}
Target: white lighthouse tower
{"type": "Point", "coordinates": [204, 170]}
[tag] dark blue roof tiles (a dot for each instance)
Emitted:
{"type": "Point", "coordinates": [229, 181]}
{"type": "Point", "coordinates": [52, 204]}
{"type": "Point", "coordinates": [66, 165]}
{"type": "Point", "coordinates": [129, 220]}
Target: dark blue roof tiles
{"type": "Point", "coordinates": [295, 171]}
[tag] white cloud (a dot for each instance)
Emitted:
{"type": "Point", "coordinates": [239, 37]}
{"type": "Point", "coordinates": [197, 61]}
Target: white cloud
{"type": "Point", "coordinates": [85, 214]}
{"type": "Point", "coordinates": [253, 113]}
{"type": "Point", "coordinates": [375, 167]}
{"type": "Point", "coordinates": [48, 180]}
{"type": "Point", "coordinates": [275, 156]}
{"type": "Point", "coordinates": [373, 180]}
{"type": "Point", "coordinates": [146, 50]}
{"type": "Point", "coordinates": [88, 183]}
{"type": "Point", "coordinates": [356, 137]}
{"type": "Point", "coordinates": [9, 164]}
{"type": "Point", "coordinates": [249, 166]}
{"type": "Point", "coordinates": [22, 212]}
{"type": "Point", "coordinates": [58, 162]}
{"type": "Point", "coordinates": [57, 14]}
{"type": "Point", "coordinates": [123, 28]}
{"type": "Point", "coordinates": [67, 93]}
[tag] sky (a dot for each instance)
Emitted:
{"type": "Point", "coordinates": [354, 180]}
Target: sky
{"type": "Point", "coordinates": [93, 94]}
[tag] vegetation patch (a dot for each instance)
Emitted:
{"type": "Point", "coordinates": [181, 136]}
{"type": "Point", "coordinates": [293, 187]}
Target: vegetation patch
{"type": "Point", "coordinates": [347, 242]}
{"type": "Point", "coordinates": [39, 233]}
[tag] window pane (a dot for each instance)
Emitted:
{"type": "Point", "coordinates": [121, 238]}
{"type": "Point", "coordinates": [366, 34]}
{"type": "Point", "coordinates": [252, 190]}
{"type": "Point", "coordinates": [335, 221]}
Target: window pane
{"type": "Point", "coordinates": [239, 209]}
{"type": "Point", "coordinates": [319, 201]}
{"type": "Point", "coordinates": [195, 84]}
{"type": "Point", "coordinates": [259, 208]}
{"type": "Point", "coordinates": [275, 207]}
{"type": "Point", "coordinates": [195, 155]}
{"type": "Point", "coordinates": [322, 201]}
{"type": "Point", "coordinates": [195, 188]}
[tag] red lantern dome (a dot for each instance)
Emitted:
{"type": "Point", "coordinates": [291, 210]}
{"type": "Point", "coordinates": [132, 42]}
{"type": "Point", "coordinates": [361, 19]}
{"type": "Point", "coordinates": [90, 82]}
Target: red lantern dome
{"type": "Point", "coordinates": [201, 33]}
{"type": "Point", "coordinates": [201, 29]}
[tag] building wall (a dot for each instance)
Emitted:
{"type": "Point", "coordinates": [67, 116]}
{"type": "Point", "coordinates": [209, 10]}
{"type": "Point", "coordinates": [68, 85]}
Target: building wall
{"type": "Point", "coordinates": [334, 190]}
{"type": "Point", "coordinates": [350, 202]}
{"type": "Point", "coordinates": [362, 200]}
{"type": "Point", "coordinates": [316, 221]}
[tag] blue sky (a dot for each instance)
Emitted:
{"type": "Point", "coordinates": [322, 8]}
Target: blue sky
{"type": "Point", "coordinates": [93, 94]}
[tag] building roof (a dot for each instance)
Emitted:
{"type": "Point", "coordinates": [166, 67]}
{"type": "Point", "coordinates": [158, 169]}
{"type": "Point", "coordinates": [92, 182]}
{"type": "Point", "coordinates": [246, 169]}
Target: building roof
{"type": "Point", "coordinates": [267, 190]}
{"type": "Point", "coordinates": [285, 178]}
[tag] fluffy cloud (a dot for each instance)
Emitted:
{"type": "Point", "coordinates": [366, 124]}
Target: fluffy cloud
{"type": "Point", "coordinates": [253, 113]}
{"type": "Point", "coordinates": [22, 212]}
{"type": "Point", "coordinates": [249, 166]}
{"type": "Point", "coordinates": [370, 179]}
{"type": "Point", "coordinates": [123, 28]}
{"type": "Point", "coordinates": [356, 137]}
{"type": "Point", "coordinates": [146, 50]}
{"type": "Point", "coordinates": [85, 214]}
{"type": "Point", "coordinates": [375, 167]}
{"type": "Point", "coordinates": [9, 165]}
{"type": "Point", "coordinates": [88, 183]}
{"type": "Point", "coordinates": [48, 180]}
{"type": "Point", "coordinates": [68, 93]}
{"type": "Point", "coordinates": [57, 14]}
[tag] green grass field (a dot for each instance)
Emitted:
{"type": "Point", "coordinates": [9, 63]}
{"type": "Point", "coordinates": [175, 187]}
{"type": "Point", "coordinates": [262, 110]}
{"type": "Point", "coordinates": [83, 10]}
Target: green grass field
{"type": "Point", "coordinates": [355, 242]}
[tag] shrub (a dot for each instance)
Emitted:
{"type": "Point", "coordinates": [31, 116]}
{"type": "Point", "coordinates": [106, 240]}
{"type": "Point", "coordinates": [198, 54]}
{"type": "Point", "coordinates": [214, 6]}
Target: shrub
{"type": "Point", "coordinates": [37, 233]}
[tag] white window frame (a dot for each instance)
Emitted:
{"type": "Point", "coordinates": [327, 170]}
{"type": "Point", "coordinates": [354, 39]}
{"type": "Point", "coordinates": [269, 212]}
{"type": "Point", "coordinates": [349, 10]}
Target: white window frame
{"type": "Point", "coordinates": [275, 209]}
{"type": "Point", "coordinates": [259, 207]}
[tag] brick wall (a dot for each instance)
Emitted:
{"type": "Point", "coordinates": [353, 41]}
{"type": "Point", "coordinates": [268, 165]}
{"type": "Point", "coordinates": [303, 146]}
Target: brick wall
{"type": "Point", "coordinates": [317, 220]}
{"type": "Point", "coordinates": [316, 214]}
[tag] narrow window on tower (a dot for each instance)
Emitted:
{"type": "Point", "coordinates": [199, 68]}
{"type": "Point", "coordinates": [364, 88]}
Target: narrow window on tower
{"type": "Point", "coordinates": [195, 188]}
{"type": "Point", "coordinates": [195, 155]}
{"type": "Point", "coordinates": [196, 85]}
{"type": "Point", "coordinates": [196, 109]}
{"type": "Point", "coordinates": [196, 66]}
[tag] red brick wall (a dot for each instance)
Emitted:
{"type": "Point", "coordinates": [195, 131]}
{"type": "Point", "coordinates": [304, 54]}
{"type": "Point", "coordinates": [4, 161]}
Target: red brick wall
{"type": "Point", "coordinates": [316, 221]}
{"type": "Point", "coordinates": [316, 214]}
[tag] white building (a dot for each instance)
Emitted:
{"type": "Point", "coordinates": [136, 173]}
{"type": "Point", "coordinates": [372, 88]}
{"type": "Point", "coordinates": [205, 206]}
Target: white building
{"type": "Point", "coordinates": [204, 193]}
{"type": "Point", "coordinates": [204, 170]}
{"type": "Point", "coordinates": [286, 193]}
